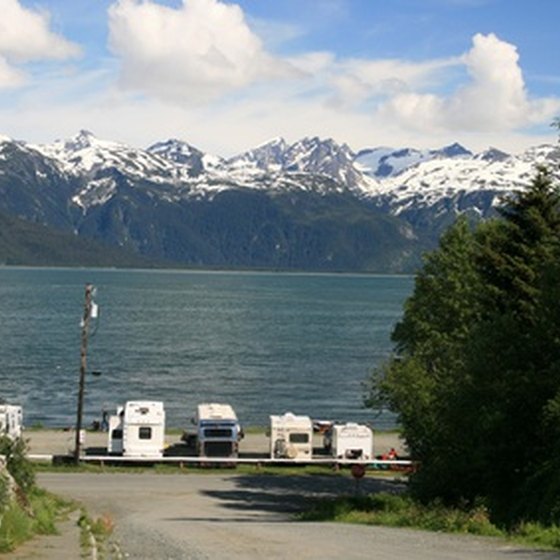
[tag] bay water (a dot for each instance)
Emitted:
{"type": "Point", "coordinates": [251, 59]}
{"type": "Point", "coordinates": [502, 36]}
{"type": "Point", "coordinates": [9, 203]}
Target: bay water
{"type": "Point", "coordinates": [266, 343]}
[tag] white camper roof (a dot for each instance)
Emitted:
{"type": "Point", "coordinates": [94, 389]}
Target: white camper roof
{"type": "Point", "coordinates": [352, 429]}
{"type": "Point", "coordinates": [215, 411]}
{"type": "Point", "coordinates": [291, 420]}
{"type": "Point", "coordinates": [144, 411]}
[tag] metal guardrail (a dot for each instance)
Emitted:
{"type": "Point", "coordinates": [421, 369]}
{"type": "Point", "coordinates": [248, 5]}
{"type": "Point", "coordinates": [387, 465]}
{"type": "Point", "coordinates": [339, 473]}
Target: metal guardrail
{"type": "Point", "coordinates": [373, 463]}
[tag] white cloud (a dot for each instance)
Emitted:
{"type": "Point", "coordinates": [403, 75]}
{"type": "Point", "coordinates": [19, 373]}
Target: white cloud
{"type": "Point", "coordinates": [10, 77]}
{"type": "Point", "coordinates": [206, 76]}
{"type": "Point", "coordinates": [494, 99]}
{"type": "Point", "coordinates": [197, 52]}
{"type": "Point", "coordinates": [25, 36]}
{"type": "Point", "coordinates": [202, 51]}
{"type": "Point", "coordinates": [356, 80]}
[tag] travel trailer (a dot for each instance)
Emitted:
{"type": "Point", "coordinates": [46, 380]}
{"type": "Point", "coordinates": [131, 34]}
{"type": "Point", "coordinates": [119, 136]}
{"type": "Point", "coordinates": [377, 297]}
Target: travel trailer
{"type": "Point", "coordinates": [137, 430]}
{"type": "Point", "coordinates": [218, 430]}
{"type": "Point", "coordinates": [349, 441]}
{"type": "Point", "coordinates": [11, 420]}
{"type": "Point", "coordinates": [291, 437]}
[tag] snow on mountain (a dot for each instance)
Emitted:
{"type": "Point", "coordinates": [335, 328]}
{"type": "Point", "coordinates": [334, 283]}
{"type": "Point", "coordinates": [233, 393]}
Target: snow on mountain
{"type": "Point", "coordinates": [428, 182]}
{"type": "Point", "coordinates": [269, 156]}
{"type": "Point", "coordinates": [192, 159]}
{"type": "Point", "coordinates": [387, 162]}
{"type": "Point", "coordinates": [395, 179]}
{"type": "Point", "coordinates": [307, 156]}
{"type": "Point", "coordinates": [85, 154]}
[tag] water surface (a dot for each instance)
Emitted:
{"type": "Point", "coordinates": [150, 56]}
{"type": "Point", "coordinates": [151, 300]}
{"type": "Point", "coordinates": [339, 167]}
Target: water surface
{"type": "Point", "coordinates": [264, 342]}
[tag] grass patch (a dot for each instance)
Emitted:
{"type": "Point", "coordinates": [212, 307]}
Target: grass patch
{"type": "Point", "coordinates": [401, 511]}
{"type": "Point", "coordinates": [536, 534]}
{"type": "Point", "coordinates": [18, 524]}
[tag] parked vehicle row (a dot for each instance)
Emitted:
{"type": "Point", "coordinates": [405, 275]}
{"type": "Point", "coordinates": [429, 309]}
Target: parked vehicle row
{"type": "Point", "coordinates": [137, 430]}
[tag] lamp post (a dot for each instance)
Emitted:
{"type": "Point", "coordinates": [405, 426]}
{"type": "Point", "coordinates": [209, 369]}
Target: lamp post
{"type": "Point", "coordinates": [88, 304]}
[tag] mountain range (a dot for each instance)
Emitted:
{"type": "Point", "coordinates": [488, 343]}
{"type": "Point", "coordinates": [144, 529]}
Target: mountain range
{"type": "Point", "coordinates": [311, 205]}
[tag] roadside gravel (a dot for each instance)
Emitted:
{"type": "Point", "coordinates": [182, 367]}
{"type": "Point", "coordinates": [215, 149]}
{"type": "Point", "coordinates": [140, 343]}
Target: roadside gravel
{"type": "Point", "coordinates": [250, 517]}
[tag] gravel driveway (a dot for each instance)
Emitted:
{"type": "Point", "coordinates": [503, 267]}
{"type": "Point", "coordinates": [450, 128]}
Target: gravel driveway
{"type": "Point", "coordinates": [219, 517]}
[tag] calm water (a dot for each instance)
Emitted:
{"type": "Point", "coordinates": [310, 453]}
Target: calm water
{"type": "Point", "coordinates": [266, 343]}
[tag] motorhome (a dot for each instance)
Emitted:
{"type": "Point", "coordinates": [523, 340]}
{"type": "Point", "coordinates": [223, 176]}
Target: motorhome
{"type": "Point", "coordinates": [218, 430]}
{"type": "Point", "coordinates": [349, 441]}
{"type": "Point", "coordinates": [11, 421]}
{"type": "Point", "coordinates": [137, 430]}
{"type": "Point", "coordinates": [291, 437]}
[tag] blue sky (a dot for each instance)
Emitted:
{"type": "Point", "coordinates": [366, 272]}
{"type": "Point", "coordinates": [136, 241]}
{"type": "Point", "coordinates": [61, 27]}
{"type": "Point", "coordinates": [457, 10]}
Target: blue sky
{"type": "Point", "coordinates": [226, 76]}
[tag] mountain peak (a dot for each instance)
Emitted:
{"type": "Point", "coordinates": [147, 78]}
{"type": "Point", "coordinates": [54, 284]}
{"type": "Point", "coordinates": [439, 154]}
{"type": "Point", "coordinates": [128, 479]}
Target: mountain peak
{"type": "Point", "coordinates": [454, 150]}
{"type": "Point", "coordinates": [84, 139]}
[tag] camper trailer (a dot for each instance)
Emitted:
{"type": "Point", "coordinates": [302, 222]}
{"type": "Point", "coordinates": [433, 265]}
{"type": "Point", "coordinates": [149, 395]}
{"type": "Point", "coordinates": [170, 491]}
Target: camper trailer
{"type": "Point", "coordinates": [11, 420]}
{"type": "Point", "coordinates": [291, 437]}
{"type": "Point", "coordinates": [349, 441]}
{"type": "Point", "coordinates": [137, 430]}
{"type": "Point", "coordinates": [218, 430]}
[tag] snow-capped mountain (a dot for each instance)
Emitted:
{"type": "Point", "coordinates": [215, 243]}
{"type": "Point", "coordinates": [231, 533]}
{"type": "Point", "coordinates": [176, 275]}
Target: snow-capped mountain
{"type": "Point", "coordinates": [388, 162]}
{"type": "Point", "coordinates": [309, 155]}
{"type": "Point", "coordinates": [427, 183]}
{"type": "Point", "coordinates": [85, 154]}
{"type": "Point", "coordinates": [312, 204]}
{"type": "Point", "coordinates": [195, 161]}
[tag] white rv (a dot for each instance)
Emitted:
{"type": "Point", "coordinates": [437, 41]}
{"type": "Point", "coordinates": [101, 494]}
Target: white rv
{"type": "Point", "coordinates": [350, 441]}
{"type": "Point", "coordinates": [11, 420]}
{"type": "Point", "coordinates": [291, 437]}
{"type": "Point", "coordinates": [218, 430]}
{"type": "Point", "coordinates": [138, 430]}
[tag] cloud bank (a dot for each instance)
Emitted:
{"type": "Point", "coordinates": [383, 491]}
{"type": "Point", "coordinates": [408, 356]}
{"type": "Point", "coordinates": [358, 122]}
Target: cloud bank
{"type": "Point", "coordinates": [494, 98]}
{"type": "Point", "coordinates": [198, 52]}
{"type": "Point", "coordinates": [25, 36]}
{"type": "Point", "coordinates": [206, 71]}
{"type": "Point", "coordinates": [205, 50]}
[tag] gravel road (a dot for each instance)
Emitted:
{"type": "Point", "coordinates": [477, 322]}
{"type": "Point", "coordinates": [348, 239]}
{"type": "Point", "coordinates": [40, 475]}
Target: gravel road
{"type": "Point", "coordinates": [234, 517]}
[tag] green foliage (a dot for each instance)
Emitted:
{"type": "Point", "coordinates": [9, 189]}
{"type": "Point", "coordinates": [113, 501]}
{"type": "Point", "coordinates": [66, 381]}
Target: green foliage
{"type": "Point", "coordinates": [18, 524]}
{"type": "Point", "coordinates": [17, 463]}
{"type": "Point", "coordinates": [16, 527]}
{"type": "Point", "coordinates": [402, 511]}
{"type": "Point", "coordinates": [3, 493]}
{"type": "Point", "coordinates": [475, 377]}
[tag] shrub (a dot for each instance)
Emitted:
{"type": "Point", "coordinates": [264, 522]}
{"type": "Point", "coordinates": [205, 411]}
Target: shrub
{"type": "Point", "coordinates": [18, 465]}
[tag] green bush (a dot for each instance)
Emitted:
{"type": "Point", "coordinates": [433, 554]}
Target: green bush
{"type": "Point", "coordinates": [15, 527]}
{"type": "Point", "coordinates": [17, 463]}
{"type": "Point", "coordinates": [539, 535]}
{"type": "Point", "coordinates": [402, 511]}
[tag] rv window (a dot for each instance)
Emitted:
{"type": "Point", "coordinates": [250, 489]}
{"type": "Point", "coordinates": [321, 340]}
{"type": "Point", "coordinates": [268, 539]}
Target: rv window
{"type": "Point", "coordinates": [145, 432]}
{"type": "Point", "coordinates": [116, 434]}
{"type": "Point", "coordinates": [299, 438]}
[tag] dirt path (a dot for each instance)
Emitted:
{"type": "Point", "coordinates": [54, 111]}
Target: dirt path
{"type": "Point", "coordinates": [214, 516]}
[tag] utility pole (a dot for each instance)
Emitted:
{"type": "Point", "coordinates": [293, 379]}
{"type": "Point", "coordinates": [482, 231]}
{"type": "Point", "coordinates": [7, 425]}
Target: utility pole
{"type": "Point", "coordinates": [83, 363]}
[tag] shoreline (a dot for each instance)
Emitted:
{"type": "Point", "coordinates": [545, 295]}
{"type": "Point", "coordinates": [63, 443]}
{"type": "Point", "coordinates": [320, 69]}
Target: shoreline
{"type": "Point", "coordinates": [60, 441]}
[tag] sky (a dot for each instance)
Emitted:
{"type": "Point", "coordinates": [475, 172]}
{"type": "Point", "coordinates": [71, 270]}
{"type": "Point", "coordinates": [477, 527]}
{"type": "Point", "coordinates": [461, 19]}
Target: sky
{"type": "Point", "coordinates": [226, 76]}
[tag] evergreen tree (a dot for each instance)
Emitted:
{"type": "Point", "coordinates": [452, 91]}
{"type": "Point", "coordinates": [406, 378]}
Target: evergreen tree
{"type": "Point", "coordinates": [475, 377]}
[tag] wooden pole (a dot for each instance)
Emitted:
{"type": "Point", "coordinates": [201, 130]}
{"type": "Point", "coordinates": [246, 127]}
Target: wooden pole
{"type": "Point", "coordinates": [83, 364]}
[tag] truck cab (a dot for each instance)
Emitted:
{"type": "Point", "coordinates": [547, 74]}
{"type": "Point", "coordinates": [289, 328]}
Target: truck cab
{"type": "Point", "coordinates": [218, 430]}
